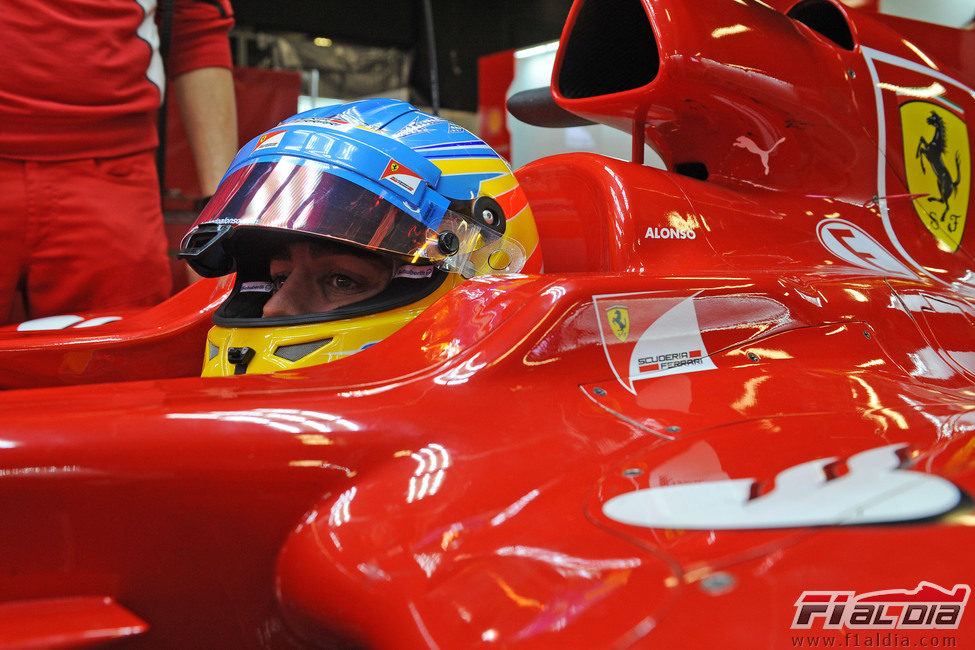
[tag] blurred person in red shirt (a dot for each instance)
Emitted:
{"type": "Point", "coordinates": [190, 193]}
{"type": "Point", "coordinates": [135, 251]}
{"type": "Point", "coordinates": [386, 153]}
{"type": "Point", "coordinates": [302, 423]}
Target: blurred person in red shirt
{"type": "Point", "coordinates": [80, 204]}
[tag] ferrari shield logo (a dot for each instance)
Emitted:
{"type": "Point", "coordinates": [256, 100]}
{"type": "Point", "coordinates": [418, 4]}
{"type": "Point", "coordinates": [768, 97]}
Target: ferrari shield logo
{"type": "Point", "coordinates": [938, 168]}
{"type": "Point", "coordinates": [268, 140]}
{"type": "Point", "coordinates": [401, 176]}
{"type": "Point", "coordinates": [666, 341]}
{"type": "Point", "coordinates": [619, 322]}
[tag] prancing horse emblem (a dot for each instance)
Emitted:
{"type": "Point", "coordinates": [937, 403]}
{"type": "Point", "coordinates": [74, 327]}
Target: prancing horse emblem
{"type": "Point", "coordinates": [934, 152]}
{"type": "Point", "coordinates": [937, 164]}
{"type": "Point", "coordinates": [619, 322]}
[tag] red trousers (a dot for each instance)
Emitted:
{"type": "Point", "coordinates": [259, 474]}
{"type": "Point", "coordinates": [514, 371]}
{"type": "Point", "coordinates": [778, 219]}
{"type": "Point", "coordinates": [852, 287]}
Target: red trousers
{"type": "Point", "coordinates": [84, 235]}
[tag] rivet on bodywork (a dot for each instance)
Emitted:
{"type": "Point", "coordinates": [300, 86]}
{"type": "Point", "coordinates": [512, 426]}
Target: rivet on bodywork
{"type": "Point", "coordinates": [752, 356]}
{"type": "Point", "coordinates": [632, 471]}
{"type": "Point", "coordinates": [718, 583]}
{"type": "Point", "coordinates": [599, 391]}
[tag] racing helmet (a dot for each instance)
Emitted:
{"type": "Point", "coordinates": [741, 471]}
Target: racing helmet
{"type": "Point", "coordinates": [374, 177]}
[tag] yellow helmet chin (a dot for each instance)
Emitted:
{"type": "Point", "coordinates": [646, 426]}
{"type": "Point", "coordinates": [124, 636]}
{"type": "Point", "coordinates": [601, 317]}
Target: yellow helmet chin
{"type": "Point", "coordinates": [257, 350]}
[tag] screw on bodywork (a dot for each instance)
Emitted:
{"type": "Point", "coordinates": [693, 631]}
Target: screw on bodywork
{"type": "Point", "coordinates": [632, 471]}
{"type": "Point", "coordinates": [866, 333]}
{"type": "Point", "coordinates": [752, 357]}
{"type": "Point", "coordinates": [852, 73]}
{"type": "Point", "coordinates": [717, 583]}
{"type": "Point", "coordinates": [673, 429]}
{"type": "Point", "coordinates": [599, 391]}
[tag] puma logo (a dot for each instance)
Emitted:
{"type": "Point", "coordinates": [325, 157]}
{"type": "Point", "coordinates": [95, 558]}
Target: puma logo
{"type": "Point", "coordinates": [748, 144]}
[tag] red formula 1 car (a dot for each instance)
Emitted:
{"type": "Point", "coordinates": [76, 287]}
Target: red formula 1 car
{"type": "Point", "coordinates": [736, 410]}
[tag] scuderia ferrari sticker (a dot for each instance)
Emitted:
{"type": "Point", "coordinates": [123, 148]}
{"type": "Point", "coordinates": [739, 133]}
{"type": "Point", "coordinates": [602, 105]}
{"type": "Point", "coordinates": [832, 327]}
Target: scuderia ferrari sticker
{"type": "Point", "coordinates": [269, 140]}
{"type": "Point", "coordinates": [938, 168]}
{"type": "Point", "coordinates": [646, 336]}
{"type": "Point", "coordinates": [401, 176]}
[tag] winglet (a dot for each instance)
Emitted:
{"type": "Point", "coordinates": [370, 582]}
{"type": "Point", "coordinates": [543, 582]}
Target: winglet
{"type": "Point", "coordinates": [538, 108]}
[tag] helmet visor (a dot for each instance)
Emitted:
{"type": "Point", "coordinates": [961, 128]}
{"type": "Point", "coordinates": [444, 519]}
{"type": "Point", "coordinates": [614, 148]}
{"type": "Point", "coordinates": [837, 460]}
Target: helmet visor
{"type": "Point", "coordinates": [318, 199]}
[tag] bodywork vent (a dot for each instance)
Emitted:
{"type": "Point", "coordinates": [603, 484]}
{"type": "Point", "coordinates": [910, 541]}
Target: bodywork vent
{"type": "Point", "coordinates": [610, 49]}
{"type": "Point", "coordinates": [825, 18]}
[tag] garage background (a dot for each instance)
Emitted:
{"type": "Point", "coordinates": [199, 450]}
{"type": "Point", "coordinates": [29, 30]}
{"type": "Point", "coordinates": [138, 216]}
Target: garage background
{"type": "Point", "coordinates": [291, 55]}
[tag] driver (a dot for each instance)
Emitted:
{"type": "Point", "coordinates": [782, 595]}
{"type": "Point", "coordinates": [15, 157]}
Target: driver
{"type": "Point", "coordinates": [312, 277]}
{"type": "Point", "coordinates": [342, 224]}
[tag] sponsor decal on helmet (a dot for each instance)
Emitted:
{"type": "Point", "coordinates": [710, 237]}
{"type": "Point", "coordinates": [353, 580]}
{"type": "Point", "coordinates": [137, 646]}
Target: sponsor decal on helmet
{"type": "Point", "coordinates": [401, 176]}
{"type": "Point", "coordinates": [414, 272]}
{"type": "Point", "coordinates": [257, 287]}
{"type": "Point", "coordinates": [336, 123]}
{"type": "Point", "coordinates": [417, 125]}
{"type": "Point", "coordinates": [269, 140]}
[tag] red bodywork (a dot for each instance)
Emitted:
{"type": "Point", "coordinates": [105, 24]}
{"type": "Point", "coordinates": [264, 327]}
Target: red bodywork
{"type": "Point", "coordinates": [722, 393]}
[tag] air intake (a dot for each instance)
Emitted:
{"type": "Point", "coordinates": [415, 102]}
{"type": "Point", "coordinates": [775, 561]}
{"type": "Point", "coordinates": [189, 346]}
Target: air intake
{"type": "Point", "coordinates": [610, 49]}
{"type": "Point", "coordinates": [825, 18]}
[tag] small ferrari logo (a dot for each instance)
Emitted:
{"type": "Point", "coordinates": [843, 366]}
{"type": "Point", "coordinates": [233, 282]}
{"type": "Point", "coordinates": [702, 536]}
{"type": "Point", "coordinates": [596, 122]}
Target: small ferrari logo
{"type": "Point", "coordinates": [619, 322]}
{"type": "Point", "coordinates": [401, 176]}
{"type": "Point", "coordinates": [666, 336]}
{"type": "Point", "coordinates": [938, 166]}
{"type": "Point", "coordinates": [269, 140]}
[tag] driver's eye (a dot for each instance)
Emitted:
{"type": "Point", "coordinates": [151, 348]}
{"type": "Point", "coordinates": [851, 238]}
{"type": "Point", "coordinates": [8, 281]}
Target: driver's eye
{"type": "Point", "coordinates": [278, 280]}
{"type": "Point", "coordinates": [342, 282]}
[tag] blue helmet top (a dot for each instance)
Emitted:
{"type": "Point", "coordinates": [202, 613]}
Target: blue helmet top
{"type": "Point", "coordinates": [376, 173]}
{"type": "Point", "coordinates": [384, 145]}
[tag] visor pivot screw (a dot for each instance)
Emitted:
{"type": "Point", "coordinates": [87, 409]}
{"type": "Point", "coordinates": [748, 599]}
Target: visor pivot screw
{"type": "Point", "coordinates": [448, 243]}
{"type": "Point", "coordinates": [490, 213]}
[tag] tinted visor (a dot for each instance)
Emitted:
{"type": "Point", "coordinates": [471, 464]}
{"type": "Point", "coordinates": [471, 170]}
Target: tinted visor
{"type": "Point", "coordinates": [312, 198]}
